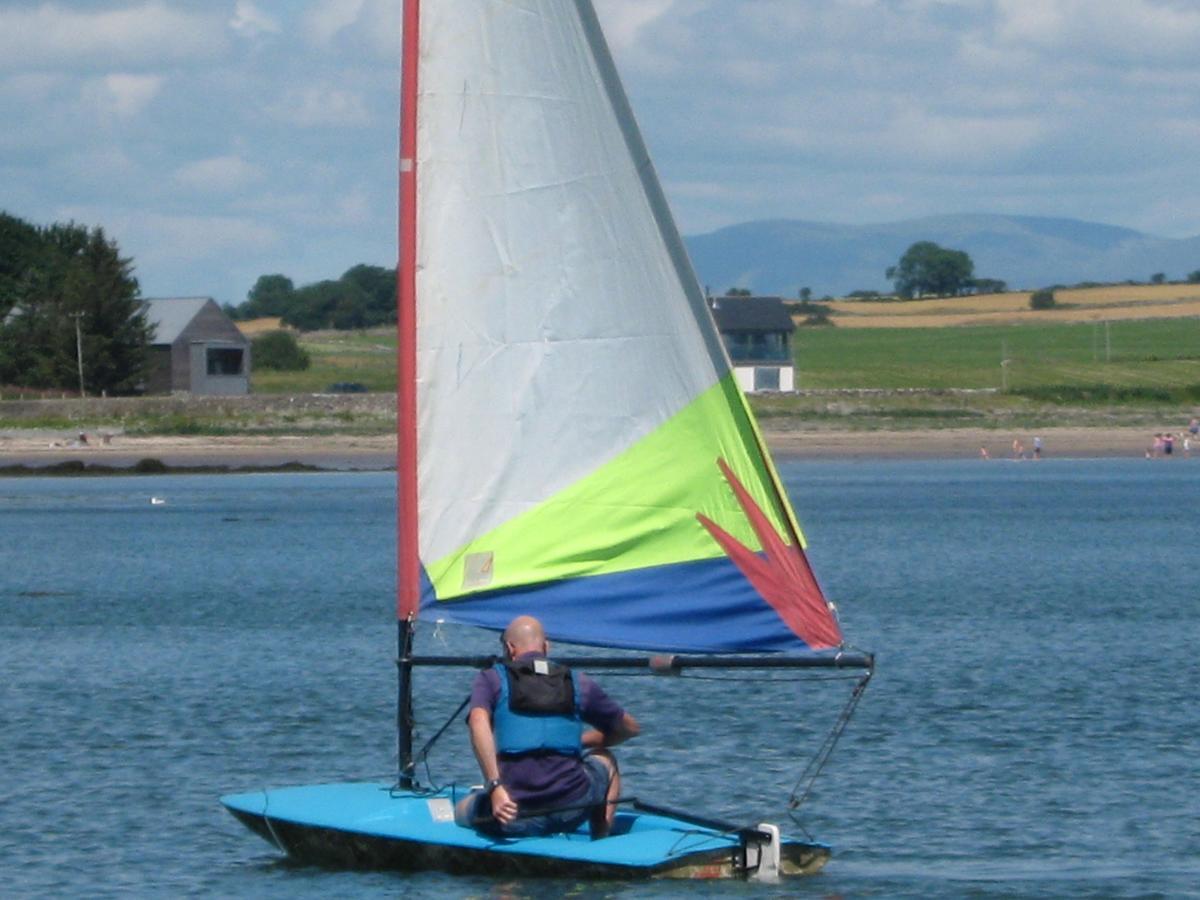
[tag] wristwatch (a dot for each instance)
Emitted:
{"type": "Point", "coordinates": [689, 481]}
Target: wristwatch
{"type": "Point", "coordinates": [491, 785]}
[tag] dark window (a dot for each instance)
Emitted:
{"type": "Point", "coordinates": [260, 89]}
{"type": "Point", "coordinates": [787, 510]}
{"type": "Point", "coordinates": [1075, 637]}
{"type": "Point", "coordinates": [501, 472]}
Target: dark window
{"type": "Point", "coordinates": [757, 346]}
{"type": "Point", "coordinates": [766, 378]}
{"type": "Point", "coordinates": [225, 361]}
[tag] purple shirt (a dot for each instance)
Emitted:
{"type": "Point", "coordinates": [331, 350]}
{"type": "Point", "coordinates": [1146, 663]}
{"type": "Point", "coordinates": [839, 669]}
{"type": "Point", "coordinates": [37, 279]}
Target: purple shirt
{"type": "Point", "coordinates": [548, 780]}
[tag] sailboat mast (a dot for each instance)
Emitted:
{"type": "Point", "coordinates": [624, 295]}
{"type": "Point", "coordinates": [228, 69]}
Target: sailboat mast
{"type": "Point", "coordinates": [408, 569]}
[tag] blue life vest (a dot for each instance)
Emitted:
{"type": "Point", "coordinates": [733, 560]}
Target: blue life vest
{"type": "Point", "coordinates": [546, 717]}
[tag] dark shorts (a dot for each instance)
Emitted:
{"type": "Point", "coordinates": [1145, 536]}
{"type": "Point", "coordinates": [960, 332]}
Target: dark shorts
{"type": "Point", "coordinates": [480, 808]}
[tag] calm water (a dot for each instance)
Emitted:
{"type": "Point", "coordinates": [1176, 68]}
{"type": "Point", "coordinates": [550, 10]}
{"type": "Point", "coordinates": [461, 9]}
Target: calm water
{"type": "Point", "coordinates": [1033, 729]}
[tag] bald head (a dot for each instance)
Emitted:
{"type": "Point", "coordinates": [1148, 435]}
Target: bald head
{"type": "Point", "coordinates": [525, 634]}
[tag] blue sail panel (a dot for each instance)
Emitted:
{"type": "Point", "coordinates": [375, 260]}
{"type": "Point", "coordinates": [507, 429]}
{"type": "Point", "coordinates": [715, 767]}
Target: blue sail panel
{"type": "Point", "coordinates": [705, 606]}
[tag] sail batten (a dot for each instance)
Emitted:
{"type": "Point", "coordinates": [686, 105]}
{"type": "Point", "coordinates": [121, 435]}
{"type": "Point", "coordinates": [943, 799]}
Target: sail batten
{"type": "Point", "coordinates": [579, 423]}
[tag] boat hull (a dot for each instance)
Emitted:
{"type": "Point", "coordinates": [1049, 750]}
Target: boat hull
{"type": "Point", "coordinates": [372, 826]}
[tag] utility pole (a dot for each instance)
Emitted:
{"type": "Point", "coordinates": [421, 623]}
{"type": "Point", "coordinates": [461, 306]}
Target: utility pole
{"type": "Point", "coordinates": [77, 316]}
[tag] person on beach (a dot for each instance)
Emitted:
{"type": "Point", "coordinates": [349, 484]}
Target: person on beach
{"type": "Point", "coordinates": [1037, 448]}
{"type": "Point", "coordinates": [543, 772]}
{"type": "Point", "coordinates": [1194, 427]}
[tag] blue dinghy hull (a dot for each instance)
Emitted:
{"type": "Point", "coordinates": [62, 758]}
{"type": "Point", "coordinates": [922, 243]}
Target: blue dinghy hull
{"type": "Point", "coordinates": [374, 826]}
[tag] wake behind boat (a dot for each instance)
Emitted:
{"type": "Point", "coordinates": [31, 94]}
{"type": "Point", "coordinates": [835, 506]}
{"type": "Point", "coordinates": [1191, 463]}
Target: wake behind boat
{"type": "Point", "coordinates": [572, 443]}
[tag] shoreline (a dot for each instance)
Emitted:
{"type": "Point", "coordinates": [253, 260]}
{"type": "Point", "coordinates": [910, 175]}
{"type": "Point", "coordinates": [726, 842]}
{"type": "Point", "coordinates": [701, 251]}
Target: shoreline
{"type": "Point", "coordinates": [36, 450]}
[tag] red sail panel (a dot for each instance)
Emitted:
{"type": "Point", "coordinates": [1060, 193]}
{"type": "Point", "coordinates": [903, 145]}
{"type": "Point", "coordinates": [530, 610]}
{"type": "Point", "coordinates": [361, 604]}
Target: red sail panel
{"type": "Point", "coordinates": [781, 574]}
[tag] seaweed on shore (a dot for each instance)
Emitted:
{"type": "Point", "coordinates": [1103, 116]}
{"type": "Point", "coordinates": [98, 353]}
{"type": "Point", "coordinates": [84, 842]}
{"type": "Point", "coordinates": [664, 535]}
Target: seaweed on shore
{"type": "Point", "coordinates": [75, 468]}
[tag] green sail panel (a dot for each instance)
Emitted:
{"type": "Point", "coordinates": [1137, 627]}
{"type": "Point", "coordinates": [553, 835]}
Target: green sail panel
{"type": "Point", "coordinates": [637, 511]}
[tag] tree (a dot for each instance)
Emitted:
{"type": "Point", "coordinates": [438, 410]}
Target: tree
{"type": "Point", "coordinates": [21, 252]}
{"type": "Point", "coordinates": [989, 285]}
{"type": "Point", "coordinates": [379, 287]}
{"type": "Point", "coordinates": [1158, 278]}
{"type": "Point", "coordinates": [363, 297]}
{"type": "Point", "coordinates": [272, 295]}
{"type": "Point", "coordinates": [926, 268]}
{"type": "Point", "coordinates": [74, 277]}
{"type": "Point", "coordinates": [737, 292]}
{"type": "Point", "coordinates": [279, 350]}
{"type": "Point", "coordinates": [805, 294]}
{"type": "Point", "coordinates": [1043, 299]}
{"type": "Point", "coordinates": [1194, 277]}
{"type": "Point", "coordinates": [329, 304]}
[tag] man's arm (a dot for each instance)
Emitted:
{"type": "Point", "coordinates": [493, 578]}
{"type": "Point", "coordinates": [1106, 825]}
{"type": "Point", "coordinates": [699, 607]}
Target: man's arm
{"type": "Point", "coordinates": [483, 742]}
{"type": "Point", "coordinates": [627, 727]}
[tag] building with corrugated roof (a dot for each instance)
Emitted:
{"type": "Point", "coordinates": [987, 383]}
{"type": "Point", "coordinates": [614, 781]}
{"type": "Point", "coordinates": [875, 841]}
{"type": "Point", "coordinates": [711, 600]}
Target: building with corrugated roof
{"type": "Point", "coordinates": [757, 333]}
{"type": "Point", "coordinates": [196, 349]}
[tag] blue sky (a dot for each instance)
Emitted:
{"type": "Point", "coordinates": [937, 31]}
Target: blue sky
{"type": "Point", "coordinates": [218, 140]}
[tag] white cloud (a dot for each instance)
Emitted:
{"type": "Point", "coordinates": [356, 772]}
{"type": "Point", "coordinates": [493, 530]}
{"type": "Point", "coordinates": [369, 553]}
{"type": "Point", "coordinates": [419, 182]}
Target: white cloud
{"type": "Point", "coordinates": [843, 110]}
{"type": "Point", "coordinates": [353, 209]}
{"type": "Point", "coordinates": [326, 18]}
{"type": "Point", "coordinates": [1150, 31]}
{"type": "Point", "coordinates": [982, 142]}
{"type": "Point", "coordinates": [249, 21]}
{"type": "Point", "coordinates": [220, 174]}
{"type": "Point", "coordinates": [51, 35]}
{"type": "Point", "coordinates": [128, 95]}
{"type": "Point", "coordinates": [31, 86]}
{"type": "Point", "coordinates": [160, 239]}
{"type": "Point", "coordinates": [624, 21]}
{"type": "Point", "coordinates": [355, 26]}
{"type": "Point", "coordinates": [97, 166]}
{"type": "Point", "coordinates": [322, 106]}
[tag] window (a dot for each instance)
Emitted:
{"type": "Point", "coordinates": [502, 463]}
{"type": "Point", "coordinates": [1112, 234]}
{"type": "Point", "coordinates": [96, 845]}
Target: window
{"type": "Point", "coordinates": [225, 360]}
{"type": "Point", "coordinates": [766, 378]}
{"type": "Point", "coordinates": [757, 346]}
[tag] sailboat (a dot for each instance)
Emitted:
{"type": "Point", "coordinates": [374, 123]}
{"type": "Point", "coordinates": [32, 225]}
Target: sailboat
{"type": "Point", "coordinates": [572, 443]}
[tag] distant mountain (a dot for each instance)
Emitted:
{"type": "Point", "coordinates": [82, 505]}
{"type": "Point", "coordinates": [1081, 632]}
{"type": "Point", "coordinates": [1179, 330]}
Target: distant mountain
{"type": "Point", "coordinates": [781, 256]}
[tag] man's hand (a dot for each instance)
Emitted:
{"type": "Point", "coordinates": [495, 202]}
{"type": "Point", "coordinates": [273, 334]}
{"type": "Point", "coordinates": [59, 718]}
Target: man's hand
{"type": "Point", "coordinates": [503, 806]}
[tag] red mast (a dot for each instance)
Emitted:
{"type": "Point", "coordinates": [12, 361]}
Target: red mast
{"type": "Point", "coordinates": [408, 563]}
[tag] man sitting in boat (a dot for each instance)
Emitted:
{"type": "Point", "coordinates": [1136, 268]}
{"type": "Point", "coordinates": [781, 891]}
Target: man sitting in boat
{"type": "Point", "coordinates": [544, 773]}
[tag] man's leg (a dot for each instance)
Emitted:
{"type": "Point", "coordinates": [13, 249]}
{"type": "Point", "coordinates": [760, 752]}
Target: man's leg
{"type": "Point", "coordinates": [467, 811]}
{"type": "Point", "coordinates": [602, 816]}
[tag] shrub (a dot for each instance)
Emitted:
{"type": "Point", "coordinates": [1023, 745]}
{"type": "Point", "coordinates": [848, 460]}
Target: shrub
{"type": "Point", "coordinates": [814, 313]}
{"type": "Point", "coordinates": [1043, 299]}
{"type": "Point", "coordinates": [279, 350]}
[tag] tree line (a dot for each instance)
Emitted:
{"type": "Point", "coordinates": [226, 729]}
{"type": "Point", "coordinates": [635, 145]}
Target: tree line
{"type": "Point", "coordinates": [365, 296]}
{"type": "Point", "coordinates": [66, 295]}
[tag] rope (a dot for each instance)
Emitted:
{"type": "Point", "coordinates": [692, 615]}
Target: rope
{"type": "Point", "coordinates": [421, 757]}
{"type": "Point", "coordinates": [267, 821]}
{"type": "Point", "coordinates": [825, 751]}
{"type": "Point", "coordinates": [423, 753]}
{"type": "Point", "coordinates": [797, 797]}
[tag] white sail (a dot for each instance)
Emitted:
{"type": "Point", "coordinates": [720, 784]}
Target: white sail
{"type": "Point", "coordinates": [549, 277]}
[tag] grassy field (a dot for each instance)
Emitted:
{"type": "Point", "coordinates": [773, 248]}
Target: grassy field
{"type": "Point", "coordinates": [1151, 355]}
{"type": "Point", "coordinates": [1154, 354]}
{"type": "Point", "coordinates": [365, 357]}
{"type": "Point", "coordinates": [1143, 373]}
{"type": "Point", "coordinates": [1086, 373]}
{"type": "Point", "coordinates": [1110, 303]}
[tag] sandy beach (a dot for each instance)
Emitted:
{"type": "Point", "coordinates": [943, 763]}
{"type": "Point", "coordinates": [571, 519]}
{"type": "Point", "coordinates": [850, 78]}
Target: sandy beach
{"type": "Point", "coordinates": [34, 448]}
